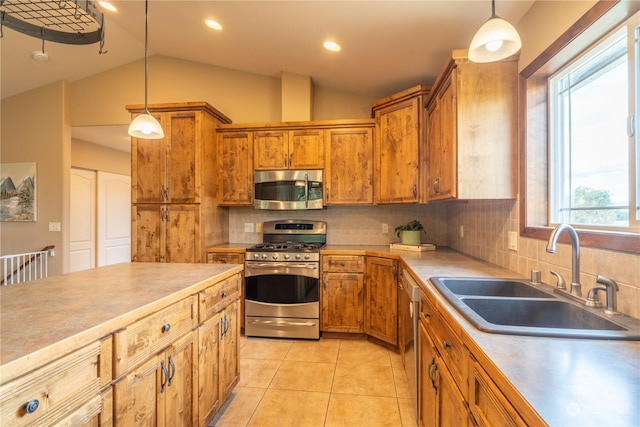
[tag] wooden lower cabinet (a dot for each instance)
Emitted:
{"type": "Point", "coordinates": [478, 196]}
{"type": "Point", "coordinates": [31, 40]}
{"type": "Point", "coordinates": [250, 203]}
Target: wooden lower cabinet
{"type": "Point", "coordinates": [381, 299]}
{"type": "Point", "coordinates": [229, 350]}
{"type": "Point", "coordinates": [343, 293]}
{"type": "Point", "coordinates": [217, 256]}
{"type": "Point", "coordinates": [161, 391]}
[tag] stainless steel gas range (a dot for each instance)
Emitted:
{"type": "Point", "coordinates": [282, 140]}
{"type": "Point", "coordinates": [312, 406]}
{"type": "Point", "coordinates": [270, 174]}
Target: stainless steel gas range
{"type": "Point", "coordinates": [282, 285]}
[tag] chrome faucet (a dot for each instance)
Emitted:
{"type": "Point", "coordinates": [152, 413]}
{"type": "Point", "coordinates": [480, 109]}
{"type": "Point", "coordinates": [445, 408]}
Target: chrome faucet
{"type": "Point", "coordinates": [576, 288]}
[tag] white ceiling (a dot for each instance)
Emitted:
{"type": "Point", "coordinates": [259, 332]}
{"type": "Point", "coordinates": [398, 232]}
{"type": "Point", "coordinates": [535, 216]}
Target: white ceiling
{"type": "Point", "coordinates": [387, 46]}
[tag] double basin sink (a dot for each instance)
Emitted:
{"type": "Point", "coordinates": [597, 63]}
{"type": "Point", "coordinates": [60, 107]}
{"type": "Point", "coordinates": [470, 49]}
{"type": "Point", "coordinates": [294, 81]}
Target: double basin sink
{"type": "Point", "coordinates": [518, 307]}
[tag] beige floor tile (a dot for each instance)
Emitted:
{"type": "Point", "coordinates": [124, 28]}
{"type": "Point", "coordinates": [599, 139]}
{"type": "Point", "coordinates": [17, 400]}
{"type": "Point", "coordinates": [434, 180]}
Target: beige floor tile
{"type": "Point", "coordinates": [396, 360]}
{"type": "Point", "coordinates": [364, 380]}
{"type": "Point", "coordinates": [287, 408]}
{"type": "Point", "coordinates": [407, 413]}
{"type": "Point", "coordinates": [238, 408]}
{"type": "Point", "coordinates": [306, 376]}
{"type": "Point", "coordinates": [401, 382]}
{"type": "Point", "coordinates": [265, 348]}
{"type": "Point", "coordinates": [323, 351]}
{"type": "Point", "coordinates": [257, 373]}
{"type": "Point", "coordinates": [347, 410]}
{"type": "Point", "coordinates": [361, 352]}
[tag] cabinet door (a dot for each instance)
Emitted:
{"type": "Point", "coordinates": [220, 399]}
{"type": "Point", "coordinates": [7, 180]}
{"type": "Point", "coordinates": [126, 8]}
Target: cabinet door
{"type": "Point", "coordinates": [183, 231]}
{"type": "Point", "coordinates": [381, 301]}
{"type": "Point", "coordinates": [444, 184]}
{"type": "Point", "coordinates": [452, 410]}
{"type": "Point", "coordinates": [135, 395]}
{"type": "Point", "coordinates": [183, 157]}
{"type": "Point", "coordinates": [427, 392]}
{"type": "Point", "coordinates": [397, 152]}
{"type": "Point", "coordinates": [235, 169]}
{"type": "Point", "coordinates": [148, 166]}
{"type": "Point", "coordinates": [343, 302]}
{"type": "Point", "coordinates": [178, 404]}
{"type": "Point", "coordinates": [349, 166]}
{"type": "Point", "coordinates": [208, 369]}
{"type": "Point", "coordinates": [270, 150]}
{"type": "Point", "coordinates": [306, 149]}
{"type": "Point", "coordinates": [229, 350]}
{"type": "Point", "coordinates": [148, 233]}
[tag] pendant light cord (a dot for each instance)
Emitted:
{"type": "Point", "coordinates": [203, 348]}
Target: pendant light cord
{"type": "Point", "coordinates": [146, 65]}
{"type": "Point", "coordinates": [493, 9]}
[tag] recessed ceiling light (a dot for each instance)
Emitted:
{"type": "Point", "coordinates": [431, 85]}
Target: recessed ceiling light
{"type": "Point", "coordinates": [332, 46]}
{"type": "Point", "coordinates": [108, 6]}
{"type": "Point", "coordinates": [213, 24]}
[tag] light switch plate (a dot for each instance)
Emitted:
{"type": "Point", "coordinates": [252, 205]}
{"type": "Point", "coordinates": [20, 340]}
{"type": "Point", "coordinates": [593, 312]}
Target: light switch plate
{"type": "Point", "coordinates": [513, 241]}
{"type": "Point", "coordinates": [385, 228]}
{"type": "Point", "coordinates": [54, 226]}
{"type": "Point", "coordinates": [248, 227]}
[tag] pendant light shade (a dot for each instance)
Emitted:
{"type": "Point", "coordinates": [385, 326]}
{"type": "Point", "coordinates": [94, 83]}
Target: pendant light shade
{"type": "Point", "coordinates": [495, 40]}
{"type": "Point", "coordinates": [146, 126]}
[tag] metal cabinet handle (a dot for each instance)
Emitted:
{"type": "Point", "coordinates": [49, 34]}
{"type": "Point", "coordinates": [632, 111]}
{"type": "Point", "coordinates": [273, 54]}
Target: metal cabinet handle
{"type": "Point", "coordinates": [172, 370]}
{"type": "Point", "coordinates": [425, 315]}
{"type": "Point", "coordinates": [31, 406]}
{"type": "Point", "coordinates": [224, 294]}
{"type": "Point", "coordinates": [436, 185]}
{"type": "Point", "coordinates": [166, 327]}
{"type": "Point", "coordinates": [325, 283]}
{"type": "Point", "coordinates": [165, 376]}
{"type": "Point", "coordinates": [445, 345]}
{"type": "Point", "coordinates": [433, 368]}
{"type": "Point", "coordinates": [415, 191]}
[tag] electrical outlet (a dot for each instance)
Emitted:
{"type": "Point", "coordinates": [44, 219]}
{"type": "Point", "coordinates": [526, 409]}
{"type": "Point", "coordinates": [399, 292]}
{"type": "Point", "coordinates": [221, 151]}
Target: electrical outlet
{"type": "Point", "coordinates": [462, 231]}
{"type": "Point", "coordinates": [385, 228]}
{"type": "Point", "coordinates": [258, 227]}
{"type": "Point", "coordinates": [513, 240]}
{"type": "Point", "coordinates": [54, 226]}
{"type": "Point", "coordinates": [248, 227]}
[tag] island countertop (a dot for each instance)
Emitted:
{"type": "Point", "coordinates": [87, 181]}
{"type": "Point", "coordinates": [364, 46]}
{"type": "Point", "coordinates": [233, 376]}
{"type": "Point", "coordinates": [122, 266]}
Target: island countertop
{"type": "Point", "coordinates": [566, 381]}
{"type": "Point", "coordinates": [57, 314]}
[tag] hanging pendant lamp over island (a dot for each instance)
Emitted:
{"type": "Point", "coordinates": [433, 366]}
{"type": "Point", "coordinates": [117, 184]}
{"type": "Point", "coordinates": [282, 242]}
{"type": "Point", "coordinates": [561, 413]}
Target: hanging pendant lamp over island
{"type": "Point", "coordinates": [495, 40]}
{"type": "Point", "coordinates": [145, 126]}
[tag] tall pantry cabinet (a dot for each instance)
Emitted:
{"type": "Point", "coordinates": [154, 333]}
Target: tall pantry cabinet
{"type": "Point", "coordinates": [175, 211]}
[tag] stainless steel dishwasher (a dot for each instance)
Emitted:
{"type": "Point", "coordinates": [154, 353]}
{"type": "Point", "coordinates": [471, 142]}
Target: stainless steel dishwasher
{"type": "Point", "coordinates": [410, 315]}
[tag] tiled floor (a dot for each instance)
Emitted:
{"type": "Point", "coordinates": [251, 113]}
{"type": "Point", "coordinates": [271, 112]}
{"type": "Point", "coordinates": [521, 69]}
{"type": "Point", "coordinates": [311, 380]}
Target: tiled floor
{"type": "Point", "coordinates": [329, 383]}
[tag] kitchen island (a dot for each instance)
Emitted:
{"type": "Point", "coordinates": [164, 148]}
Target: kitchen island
{"type": "Point", "coordinates": [68, 340]}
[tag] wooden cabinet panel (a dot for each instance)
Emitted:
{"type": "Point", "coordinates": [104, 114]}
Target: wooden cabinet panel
{"type": "Point", "coordinates": [343, 302]}
{"type": "Point", "coordinates": [343, 263]}
{"type": "Point", "coordinates": [67, 388]}
{"type": "Point", "coordinates": [452, 409]}
{"type": "Point", "coordinates": [224, 258]}
{"type": "Point", "coordinates": [306, 149]}
{"type": "Point", "coordinates": [209, 372]}
{"type": "Point", "coordinates": [270, 150]}
{"type": "Point", "coordinates": [184, 157]}
{"type": "Point", "coordinates": [381, 301]}
{"type": "Point", "coordinates": [288, 149]}
{"type": "Point", "coordinates": [235, 168]}
{"type": "Point", "coordinates": [148, 166]}
{"type": "Point", "coordinates": [216, 298]}
{"type": "Point", "coordinates": [229, 350]}
{"type": "Point", "coordinates": [147, 336]}
{"type": "Point", "coordinates": [179, 403]}
{"type": "Point", "coordinates": [148, 233]}
{"type": "Point", "coordinates": [427, 392]}
{"type": "Point", "coordinates": [349, 166]}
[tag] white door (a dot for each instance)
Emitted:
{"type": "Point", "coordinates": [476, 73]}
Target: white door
{"type": "Point", "coordinates": [82, 220]}
{"type": "Point", "coordinates": [114, 218]}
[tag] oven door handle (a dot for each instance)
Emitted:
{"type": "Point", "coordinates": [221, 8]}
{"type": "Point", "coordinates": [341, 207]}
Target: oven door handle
{"type": "Point", "coordinates": [281, 264]}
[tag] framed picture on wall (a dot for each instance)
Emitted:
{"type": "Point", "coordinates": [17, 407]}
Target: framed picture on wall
{"type": "Point", "coordinates": [18, 192]}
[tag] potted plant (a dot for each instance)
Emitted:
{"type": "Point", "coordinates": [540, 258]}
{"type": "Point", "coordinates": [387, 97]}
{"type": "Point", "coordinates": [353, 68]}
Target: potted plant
{"type": "Point", "coordinates": [410, 232]}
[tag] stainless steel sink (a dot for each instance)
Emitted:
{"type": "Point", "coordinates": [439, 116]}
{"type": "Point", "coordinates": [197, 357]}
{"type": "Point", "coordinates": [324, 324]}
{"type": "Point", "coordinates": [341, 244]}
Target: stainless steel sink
{"type": "Point", "coordinates": [492, 287]}
{"type": "Point", "coordinates": [518, 307]}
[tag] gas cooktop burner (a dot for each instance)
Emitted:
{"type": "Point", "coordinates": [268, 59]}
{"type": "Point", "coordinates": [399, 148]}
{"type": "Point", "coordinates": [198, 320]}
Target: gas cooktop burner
{"type": "Point", "coordinates": [287, 246]}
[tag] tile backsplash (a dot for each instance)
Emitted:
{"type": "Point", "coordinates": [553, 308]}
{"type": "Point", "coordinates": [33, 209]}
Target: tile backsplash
{"type": "Point", "coordinates": [486, 225]}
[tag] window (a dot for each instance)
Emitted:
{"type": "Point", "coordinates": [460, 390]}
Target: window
{"type": "Point", "coordinates": [539, 206]}
{"type": "Point", "coordinates": [593, 181]}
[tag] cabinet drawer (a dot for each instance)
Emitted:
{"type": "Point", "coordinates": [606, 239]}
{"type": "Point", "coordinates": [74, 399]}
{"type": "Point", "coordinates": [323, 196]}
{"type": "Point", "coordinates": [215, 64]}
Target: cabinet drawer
{"type": "Point", "coordinates": [343, 263]}
{"type": "Point", "coordinates": [487, 403]}
{"type": "Point", "coordinates": [215, 298]}
{"type": "Point", "coordinates": [54, 391]}
{"type": "Point", "coordinates": [448, 343]}
{"type": "Point", "coordinates": [147, 336]}
{"type": "Point", "coordinates": [224, 258]}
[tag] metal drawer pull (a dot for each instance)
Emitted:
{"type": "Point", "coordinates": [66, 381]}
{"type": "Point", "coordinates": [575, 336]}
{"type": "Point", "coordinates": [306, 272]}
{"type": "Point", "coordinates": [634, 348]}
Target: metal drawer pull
{"type": "Point", "coordinates": [166, 327]}
{"type": "Point", "coordinates": [445, 345]}
{"type": "Point", "coordinates": [224, 294]}
{"type": "Point", "coordinates": [31, 406]}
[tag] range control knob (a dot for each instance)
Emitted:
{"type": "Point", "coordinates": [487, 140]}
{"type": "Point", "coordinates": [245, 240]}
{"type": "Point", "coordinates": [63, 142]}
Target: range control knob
{"type": "Point", "coordinates": [256, 256]}
{"type": "Point", "coordinates": [275, 256]}
{"type": "Point", "coordinates": [264, 256]}
{"type": "Point", "coordinates": [297, 256]}
{"type": "Point", "coordinates": [287, 256]}
{"type": "Point", "coordinates": [307, 256]}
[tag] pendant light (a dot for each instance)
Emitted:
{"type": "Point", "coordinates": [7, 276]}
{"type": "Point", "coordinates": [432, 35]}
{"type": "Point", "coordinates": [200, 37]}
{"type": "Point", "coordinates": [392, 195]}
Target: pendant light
{"type": "Point", "coordinates": [145, 126]}
{"type": "Point", "coordinates": [495, 40]}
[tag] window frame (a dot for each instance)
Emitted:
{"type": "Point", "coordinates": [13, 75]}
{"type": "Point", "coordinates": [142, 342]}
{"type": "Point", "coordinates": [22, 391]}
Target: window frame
{"type": "Point", "coordinates": [603, 16]}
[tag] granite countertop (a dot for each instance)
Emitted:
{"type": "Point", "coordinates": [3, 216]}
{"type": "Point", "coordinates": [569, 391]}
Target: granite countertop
{"type": "Point", "coordinates": [59, 314]}
{"type": "Point", "coordinates": [568, 382]}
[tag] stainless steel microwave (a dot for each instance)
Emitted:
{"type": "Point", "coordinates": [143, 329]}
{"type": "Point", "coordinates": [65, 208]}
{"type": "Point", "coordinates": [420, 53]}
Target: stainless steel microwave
{"type": "Point", "coordinates": [288, 189]}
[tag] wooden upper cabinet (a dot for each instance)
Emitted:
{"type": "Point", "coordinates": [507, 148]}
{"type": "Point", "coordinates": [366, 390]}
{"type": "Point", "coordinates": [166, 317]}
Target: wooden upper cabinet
{"type": "Point", "coordinates": [349, 166]}
{"type": "Point", "coordinates": [472, 137]}
{"type": "Point", "coordinates": [235, 168]}
{"type": "Point", "coordinates": [288, 149]}
{"type": "Point", "coordinates": [400, 151]}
